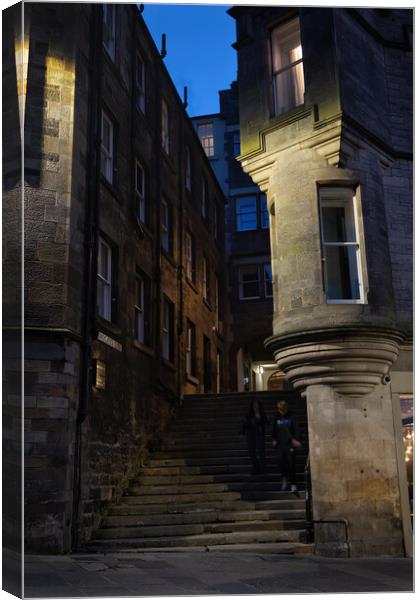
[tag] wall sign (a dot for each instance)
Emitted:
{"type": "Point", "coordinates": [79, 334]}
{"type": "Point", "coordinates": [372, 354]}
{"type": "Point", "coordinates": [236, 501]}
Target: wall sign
{"type": "Point", "coordinates": [100, 379]}
{"type": "Point", "coordinates": [109, 341]}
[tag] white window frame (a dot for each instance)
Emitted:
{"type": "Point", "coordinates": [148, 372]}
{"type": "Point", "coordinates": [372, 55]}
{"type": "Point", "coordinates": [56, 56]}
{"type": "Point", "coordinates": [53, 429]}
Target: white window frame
{"type": "Point", "coordinates": [104, 284]}
{"type": "Point", "coordinates": [165, 126]}
{"type": "Point", "coordinates": [188, 168]}
{"type": "Point", "coordinates": [207, 138]}
{"type": "Point", "coordinates": [165, 227]}
{"type": "Point", "coordinates": [140, 84]}
{"type": "Point", "coordinates": [107, 153]}
{"type": "Point", "coordinates": [340, 197]}
{"type": "Point", "coordinates": [289, 29]}
{"type": "Point", "coordinates": [241, 282]}
{"type": "Point", "coordinates": [139, 310]}
{"type": "Point", "coordinates": [140, 193]}
{"type": "Point", "coordinates": [266, 280]}
{"type": "Point", "coordinates": [109, 29]}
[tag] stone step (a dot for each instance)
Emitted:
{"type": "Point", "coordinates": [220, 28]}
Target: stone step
{"type": "Point", "coordinates": [180, 479]}
{"type": "Point", "coordinates": [183, 498]}
{"type": "Point", "coordinates": [243, 471]}
{"type": "Point", "coordinates": [217, 461]}
{"type": "Point", "coordinates": [204, 516]}
{"type": "Point", "coordinates": [288, 503]}
{"type": "Point", "coordinates": [207, 453]}
{"type": "Point", "coordinates": [204, 539]}
{"type": "Point", "coordinates": [112, 533]}
{"type": "Point", "coordinates": [205, 488]}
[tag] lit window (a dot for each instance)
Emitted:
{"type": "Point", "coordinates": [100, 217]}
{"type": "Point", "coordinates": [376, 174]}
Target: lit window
{"type": "Point", "coordinates": [109, 21]}
{"type": "Point", "coordinates": [165, 127]}
{"type": "Point", "coordinates": [168, 330]}
{"type": "Point", "coordinates": [142, 309]}
{"type": "Point", "coordinates": [104, 280]}
{"type": "Point", "coordinates": [246, 213]}
{"type": "Point", "coordinates": [268, 280]}
{"type": "Point", "coordinates": [190, 255]}
{"type": "Point", "coordinates": [107, 148]}
{"type": "Point", "coordinates": [190, 349]}
{"type": "Point", "coordinates": [140, 85]}
{"type": "Point", "coordinates": [166, 228]}
{"type": "Point", "coordinates": [236, 144]}
{"type": "Point", "coordinates": [340, 245]}
{"type": "Point", "coordinates": [140, 192]}
{"type": "Point", "coordinates": [206, 279]}
{"type": "Point", "coordinates": [188, 169]}
{"type": "Point", "coordinates": [249, 282]}
{"type": "Point", "coordinates": [205, 133]}
{"type": "Point", "coordinates": [288, 79]}
{"type": "Point", "coordinates": [265, 222]}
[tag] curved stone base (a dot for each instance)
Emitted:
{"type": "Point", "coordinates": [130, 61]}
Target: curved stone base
{"type": "Point", "coordinates": [351, 360]}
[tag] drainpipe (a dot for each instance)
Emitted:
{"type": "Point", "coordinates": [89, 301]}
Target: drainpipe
{"type": "Point", "coordinates": [90, 254]}
{"type": "Point", "coordinates": [180, 268]}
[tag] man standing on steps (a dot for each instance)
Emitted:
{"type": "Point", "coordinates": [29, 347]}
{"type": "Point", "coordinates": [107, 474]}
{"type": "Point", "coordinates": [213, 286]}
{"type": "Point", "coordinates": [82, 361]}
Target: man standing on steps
{"type": "Point", "coordinates": [285, 439]}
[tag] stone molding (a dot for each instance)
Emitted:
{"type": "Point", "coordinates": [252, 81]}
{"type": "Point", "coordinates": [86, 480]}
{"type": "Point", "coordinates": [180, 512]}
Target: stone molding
{"type": "Point", "coordinates": [351, 360]}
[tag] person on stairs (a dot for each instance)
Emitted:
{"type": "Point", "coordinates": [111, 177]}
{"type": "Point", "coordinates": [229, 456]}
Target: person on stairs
{"type": "Point", "coordinates": [285, 440]}
{"type": "Point", "coordinates": [254, 429]}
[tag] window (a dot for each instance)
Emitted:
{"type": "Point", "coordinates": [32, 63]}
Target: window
{"type": "Point", "coordinates": [265, 222]}
{"type": "Point", "coordinates": [109, 21]}
{"type": "Point", "coordinates": [246, 215]}
{"type": "Point", "coordinates": [140, 192]}
{"type": "Point", "coordinates": [268, 281]}
{"type": "Point", "coordinates": [204, 200]}
{"type": "Point", "coordinates": [165, 127]}
{"type": "Point", "coordinates": [190, 255]}
{"type": "Point", "coordinates": [142, 309]}
{"type": "Point", "coordinates": [104, 279]}
{"type": "Point", "coordinates": [188, 169]}
{"type": "Point", "coordinates": [191, 349]}
{"type": "Point", "coordinates": [249, 282]}
{"type": "Point", "coordinates": [288, 79]}
{"type": "Point", "coordinates": [205, 133]}
{"type": "Point", "coordinates": [236, 144]}
{"type": "Point", "coordinates": [206, 279]}
{"type": "Point", "coordinates": [166, 227]}
{"type": "Point", "coordinates": [168, 330]}
{"type": "Point", "coordinates": [107, 148]}
{"type": "Point", "coordinates": [140, 84]}
{"type": "Point", "coordinates": [340, 245]}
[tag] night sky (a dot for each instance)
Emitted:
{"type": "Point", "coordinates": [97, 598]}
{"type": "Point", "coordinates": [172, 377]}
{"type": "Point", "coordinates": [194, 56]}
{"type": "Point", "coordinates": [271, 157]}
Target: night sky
{"type": "Point", "coordinates": [199, 52]}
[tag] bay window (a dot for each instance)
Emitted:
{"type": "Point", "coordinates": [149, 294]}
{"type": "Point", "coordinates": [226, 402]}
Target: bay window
{"type": "Point", "coordinates": [340, 245]}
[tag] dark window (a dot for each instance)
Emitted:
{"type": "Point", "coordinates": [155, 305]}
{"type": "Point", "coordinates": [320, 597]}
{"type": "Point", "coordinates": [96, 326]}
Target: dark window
{"type": "Point", "coordinates": [142, 309]}
{"type": "Point", "coordinates": [191, 257]}
{"type": "Point", "coordinates": [168, 330]}
{"type": "Point", "coordinates": [109, 28]}
{"type": "Point", "coordinates": [108, 153]}
{"type": "Point", "coordinates": [166, 228]}
{"type": "Point", "coordinates": [140, 84]}
{"type": "Point", "coordinates": [191, 350]}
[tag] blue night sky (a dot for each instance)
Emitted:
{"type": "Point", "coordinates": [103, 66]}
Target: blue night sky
{"type": "Point", "coordinates": [199, 52]}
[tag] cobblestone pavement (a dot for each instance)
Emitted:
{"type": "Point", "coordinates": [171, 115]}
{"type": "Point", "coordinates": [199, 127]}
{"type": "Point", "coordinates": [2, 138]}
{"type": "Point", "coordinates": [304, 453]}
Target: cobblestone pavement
{"type": "Point", "coordinates": [203, 573]}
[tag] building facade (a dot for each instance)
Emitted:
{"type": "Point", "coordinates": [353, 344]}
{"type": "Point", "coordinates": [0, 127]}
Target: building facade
{"type": "Point", "coordinates": [325, 103]}
{"type": "Point", "coordinates": [247, 246]}
{"type": "Point", "coordinates": [124, 265]}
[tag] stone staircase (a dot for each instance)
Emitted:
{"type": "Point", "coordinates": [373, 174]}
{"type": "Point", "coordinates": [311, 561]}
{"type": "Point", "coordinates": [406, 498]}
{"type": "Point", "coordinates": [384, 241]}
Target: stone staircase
{"type": "Point", "coordinates": [197, 492]}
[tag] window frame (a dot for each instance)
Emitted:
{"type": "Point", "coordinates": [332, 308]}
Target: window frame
{"type": "Point", "coordinates": [140, 86]}
{"type": "Point", "coordinates": [191, 350]}
{"type": "Point", "coordinates": [111, 51]}
{"type": "Point", "coordinates": [141, 208]}
{"type": "Point", "coordinates": [105, 285]}
{"type": "Point", "coordinates": [108, 154]}
{"type": "Point", "coordinates": [254, 212]}
{"type": "Point", "coordinates": [270, 281]}
{"type": "Point", "coordinates": [331, 196]}
{"type": "Point", "coordinates": [204, 200]}
{"type": "Point", "coordinates": [190, 257]}
{"type": "Point", "coordinates": [166, 227]}
{"type": "Point", "coordinates": [143, 308]}
{"type": "Point", "coordinates": [241, 282]}
{"type": "Point", "coordinates": [275, 73]}
{"type": "Point", "coordinates": [165, 137]}
{"type": "Point", "coordinates": [206, 279]}
{"type": "Point", "coordinates": [168, 325]}
{"type": "Point", "coordinates": [207, 141]}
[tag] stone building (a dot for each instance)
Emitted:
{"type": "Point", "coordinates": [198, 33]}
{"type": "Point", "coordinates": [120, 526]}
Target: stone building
{"type": "Point", "coordinates": [247, 247]}
{"type": "Point", "coordinates": [124, 267]}
{"type": "Point", "coordinates": [325, 103]}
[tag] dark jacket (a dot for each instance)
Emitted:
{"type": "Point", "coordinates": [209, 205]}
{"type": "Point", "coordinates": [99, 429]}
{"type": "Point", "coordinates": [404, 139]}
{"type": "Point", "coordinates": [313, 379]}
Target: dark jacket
{"type": "Point", "coordinates": [284, 429]}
